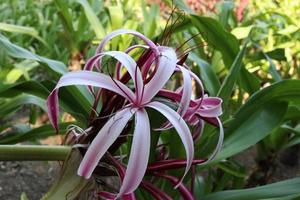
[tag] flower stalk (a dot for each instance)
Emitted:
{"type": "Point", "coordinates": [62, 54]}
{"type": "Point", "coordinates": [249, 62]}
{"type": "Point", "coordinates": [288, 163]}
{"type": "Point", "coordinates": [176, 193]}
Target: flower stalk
{"type": "Point", "coordinates": [33, 152]}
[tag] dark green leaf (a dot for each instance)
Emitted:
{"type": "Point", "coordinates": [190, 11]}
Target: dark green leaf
{"type": "Point", "coordinates": [276, 54]}
{"type": "Point", "coordinates": [13, 104]}
{"type": "Point", "coordinates": [19, 52]}
{"type": "Point", "coordinates": [215, 35]}
{"type": "Point", "coordinates": [33, 134]}
{"type": "Point", "coordinates": [249, 128]}
{"type": "Point", "coordinates": [210, 80]}
{"type": "Point", "coordinates": [223, 41]}
{"type": "Point", "coordinates": [259, 116]}
{"type": "Point", "coordinates": [275, 190]}
{"type": "Point", "coordinates": [228, 84]}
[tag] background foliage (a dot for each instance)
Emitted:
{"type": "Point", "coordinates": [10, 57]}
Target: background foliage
{"type": "Point", "coordinates": [251, 62]}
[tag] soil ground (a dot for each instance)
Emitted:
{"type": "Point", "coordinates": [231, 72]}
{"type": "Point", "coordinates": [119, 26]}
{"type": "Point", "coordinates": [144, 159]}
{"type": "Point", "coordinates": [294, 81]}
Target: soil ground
{"type": "Point", "coordinates": [33, 178]}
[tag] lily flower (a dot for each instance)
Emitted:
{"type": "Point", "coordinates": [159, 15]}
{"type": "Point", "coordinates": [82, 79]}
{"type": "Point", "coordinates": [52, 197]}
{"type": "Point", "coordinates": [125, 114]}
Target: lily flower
{"type": "Point", "coordinates": [149, 81]}
{"type": "Point", "coordinates": [140, 99]}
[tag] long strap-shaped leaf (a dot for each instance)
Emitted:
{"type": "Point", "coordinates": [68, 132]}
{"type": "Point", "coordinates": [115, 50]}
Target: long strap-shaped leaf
{"type": "Point", "coordinates": [262, 113]}
{"type": "Point", "coordinates": [19, 52]}
{"type": "Point", "coordinates": [275, 190]}
{"type": "Point", "coordinates": [231, 78]}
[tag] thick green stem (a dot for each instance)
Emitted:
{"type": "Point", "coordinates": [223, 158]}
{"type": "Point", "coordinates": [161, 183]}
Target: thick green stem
{"type": "Point", "coordinates": [33, 152]}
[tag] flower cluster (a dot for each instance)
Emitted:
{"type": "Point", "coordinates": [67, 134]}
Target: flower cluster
{"type": "Point", "coordinates": [138, 83]}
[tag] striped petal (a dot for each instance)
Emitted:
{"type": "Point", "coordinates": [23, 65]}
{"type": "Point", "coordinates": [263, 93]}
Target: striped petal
{"type": "Point", "coordinates": [127, 51]}
{"type": "Point", "coordinates": [181, 128]}
{"type": "Point", "coordinates": [139, 154]}
{"type": "Point", "coordinates": [125, 31]}
{"type": "Point", "coordinates": [104, 139]}
{"type": "Point", "coordinates": [219, 144]}
{"type": "Point", "coordinates": [85, 78]}
{"type": "Point", "coordinates": [186, 92]}
{"type": "Point", "coordinates": [124, 60]}
{"type": "Point", "coordinates": [165, 69]}
{"type": "Point", "coordinates": [210, 107]}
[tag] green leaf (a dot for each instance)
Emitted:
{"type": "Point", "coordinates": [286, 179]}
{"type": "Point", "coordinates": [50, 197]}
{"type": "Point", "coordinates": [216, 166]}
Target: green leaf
{"type": "Point", "coordinates": [93, 19]}
{"type": "Point", "coordinates": [242, 32]}
{"type": "Point", "coordinates": [210, 80]}
{"type": "Point", "coordinates": [12, 105]}
{"type": "Point", "coordinates": [70, 35]}
{"type": "Point", "coordinates": [21, 29]}
{"type": "Point", "coordinates": [23, 196]}
{"type": "Point", "coordinates": [223, 41]}
{"type": "Point", "coordinates": [199, 186]}
{"type": "Point", "coordinates": [150, 19]}
{"type": "Point", "coordinates": [72, 100]}
{"type": "Point", "coordinates": [259, 116]}
{"type": "Point", "coordinates": [33, 134]}
{"type": "Point", "coordinates": [215, 34]}
{"type": "Point", "coordinates": [18, 29]}
{"type": "Point", "coordinates": [286, 90]}
{"type": "Point", "coordinates": [290, 29]}
{"type": "Point", "coordinates": [19, 52]}
{"type": "Point", "coordinates": [247, 130]}
{"type": "Point", "coordinates": [228, 84]}
{"type": "Point", "coordinates": [65, 14]}
{"type": "Point", "coordinates": [226, 9]}
{"type": "Point", "coordinates": [276, 54]}
{"type": "Point", "coordinates": [21, 69]}
{"type": "Point", "coordinates": [28, 87]}
{"type": "Point", "coordinates": [272, 69]}
{"type": "Point", "coordinates": [278, 190]}
{"type": "Point", "coordinates": [116, 16]}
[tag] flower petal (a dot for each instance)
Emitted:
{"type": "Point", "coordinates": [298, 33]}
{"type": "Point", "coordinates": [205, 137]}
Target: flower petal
{"type": "Point", "coordinates": [186, 91]}
{"type": "Point", "coordinates": [181, 128]}
{"type": "Point", "coordinates": [118, 66]}
{"type": "Point", "coordinates": [219, 144]}
{"type": "Point", "coordinates": [210, 107]}
{"type": "Point", "coordinates": [124, 59]}
{"type": "Point", "coordinates": [104, 139]}
{"type": "Point", "coordinates": [85, 78]}
{"type": "Point", "coordinates": [132, 69]}
{"type": "Point", "coordinates": [139, 154]}
{"type": "Point", "coordinates": [185, 96]}
{"type": "Point", "coordinates": [125, 31]}
{"type": "Point", "coordinates": [165, 68]}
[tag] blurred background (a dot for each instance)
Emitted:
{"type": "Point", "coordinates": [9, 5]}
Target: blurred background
{"type": "Point", "coordinates": [69, 31]}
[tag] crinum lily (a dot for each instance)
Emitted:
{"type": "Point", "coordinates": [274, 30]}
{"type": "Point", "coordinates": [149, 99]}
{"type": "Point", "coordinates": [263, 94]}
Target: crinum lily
{"type": "Point", "coordinates": [148, 81]}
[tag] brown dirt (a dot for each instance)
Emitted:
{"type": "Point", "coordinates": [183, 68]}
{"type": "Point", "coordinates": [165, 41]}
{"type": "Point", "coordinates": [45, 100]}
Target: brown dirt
{"type": "Point", "coordinates": [285, 166]}
{"type": "Point", "coordinates": [31, 177]}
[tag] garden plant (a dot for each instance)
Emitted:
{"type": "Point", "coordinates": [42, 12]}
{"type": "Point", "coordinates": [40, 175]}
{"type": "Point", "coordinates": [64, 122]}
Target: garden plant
{"type": "Point", "coordinates": [153, 100]}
